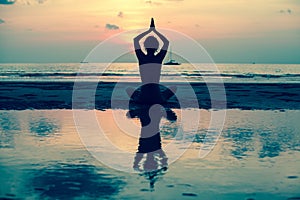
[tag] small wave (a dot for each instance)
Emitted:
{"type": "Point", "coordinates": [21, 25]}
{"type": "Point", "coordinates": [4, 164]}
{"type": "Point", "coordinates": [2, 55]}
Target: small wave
{"type": "Point", "coordinates": [244, 75]}
{"type": "Point", "coordinates": [71, 75]}
{"type": "Point", "coordinates": [62, 74]}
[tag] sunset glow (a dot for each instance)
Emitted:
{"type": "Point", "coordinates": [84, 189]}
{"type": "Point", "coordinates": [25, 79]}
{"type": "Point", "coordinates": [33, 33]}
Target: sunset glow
{"type": "Point", "coordinates": [72, 23]}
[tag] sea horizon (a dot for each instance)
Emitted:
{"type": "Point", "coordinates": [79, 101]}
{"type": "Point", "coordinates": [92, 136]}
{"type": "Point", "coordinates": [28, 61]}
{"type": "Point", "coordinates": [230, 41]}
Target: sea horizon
{"type": "Point", "coordinates": [81, 62]}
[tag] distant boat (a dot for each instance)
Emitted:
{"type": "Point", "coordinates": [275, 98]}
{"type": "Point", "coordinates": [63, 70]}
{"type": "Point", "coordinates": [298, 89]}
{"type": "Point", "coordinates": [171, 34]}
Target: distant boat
{"type": "Point", "coordinates": [84, 62]}
{"type": "Point", "coordinates": [171, 61]}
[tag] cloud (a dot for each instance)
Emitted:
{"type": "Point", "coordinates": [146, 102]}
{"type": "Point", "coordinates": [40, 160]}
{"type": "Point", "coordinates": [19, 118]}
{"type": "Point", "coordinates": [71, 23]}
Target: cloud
{"type": "Point", "coordinates": [120, 14]}
{"type": "Point", "coordinates": [288, 11]}
{"type": "Point", "coordinates": [111, 27]}
{"type": "Point", "coordinates": [22, 2]}
{"type": "Point", "coordinates": [41, 1]}
{"type": "Point", "coordinates": [2, 21]}
{"type": "Point", "coordinates": [152, 2]}
{"type": "Point", "coordinates": [7, 1]}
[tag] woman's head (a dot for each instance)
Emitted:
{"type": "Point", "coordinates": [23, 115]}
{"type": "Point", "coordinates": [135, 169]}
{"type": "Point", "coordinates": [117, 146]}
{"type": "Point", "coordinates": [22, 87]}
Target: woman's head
{"type": "Point", "coordinates": [151, 43]}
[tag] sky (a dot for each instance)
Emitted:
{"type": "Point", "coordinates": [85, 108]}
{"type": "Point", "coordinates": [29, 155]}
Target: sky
{"type": "Point", "coordinates": [232, 31]}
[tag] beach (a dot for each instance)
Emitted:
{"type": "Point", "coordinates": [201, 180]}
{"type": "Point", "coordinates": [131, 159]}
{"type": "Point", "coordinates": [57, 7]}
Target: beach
{"type": "Point", "coordinates": [45, 155]}
{"type": "Point", "coordinates": [58, 95]}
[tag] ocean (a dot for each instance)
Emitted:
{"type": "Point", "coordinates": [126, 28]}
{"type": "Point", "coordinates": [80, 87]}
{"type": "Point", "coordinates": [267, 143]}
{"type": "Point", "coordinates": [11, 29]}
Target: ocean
{"type": "Point", "coordinates": [51, 150]}
{"type": "Point", "coordinates": [236, 73]}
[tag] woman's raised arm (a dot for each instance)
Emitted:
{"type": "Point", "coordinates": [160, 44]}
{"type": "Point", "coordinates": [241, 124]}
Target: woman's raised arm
{"type": "Point", "coordinates": [163, 38]}
{"type": "Point", "coordinates": [137, 39]}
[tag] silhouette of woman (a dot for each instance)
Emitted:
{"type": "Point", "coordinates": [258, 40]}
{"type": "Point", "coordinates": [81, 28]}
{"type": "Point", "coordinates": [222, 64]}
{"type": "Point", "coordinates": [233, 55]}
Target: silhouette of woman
{"type": "Point", "coordinates": [150, 64]}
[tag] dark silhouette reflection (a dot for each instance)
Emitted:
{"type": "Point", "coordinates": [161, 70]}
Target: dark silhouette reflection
{"type": "Point", "coordinates": [262, 140]}
{"type": "Point", "coordinates": [43, 127]}
{"type": "Point", "coordinates": [71, 181]}
{"type": "Point", "coordinates": [150, 158]}
{"type": "Point", "coordinates": [9, 127]}
{"type": "Point", "coordinates": [242, 139]}
{"type": "Point", "coordinates": [273, 146]}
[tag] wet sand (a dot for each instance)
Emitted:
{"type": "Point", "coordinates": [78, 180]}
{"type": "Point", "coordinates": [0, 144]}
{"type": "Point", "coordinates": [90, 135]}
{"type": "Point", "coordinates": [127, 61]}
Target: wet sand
{"type": "Point", "coordinates": [58, 95]}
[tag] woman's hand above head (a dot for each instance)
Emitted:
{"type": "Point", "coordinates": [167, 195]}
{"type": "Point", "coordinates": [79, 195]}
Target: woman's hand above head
{"type": "Point", "coordinates": [152, 25]}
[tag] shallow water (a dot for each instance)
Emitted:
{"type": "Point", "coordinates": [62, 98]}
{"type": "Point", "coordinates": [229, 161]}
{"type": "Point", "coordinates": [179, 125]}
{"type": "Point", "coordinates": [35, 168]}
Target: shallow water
{"type": "Point", "coordinates": [256, 157]}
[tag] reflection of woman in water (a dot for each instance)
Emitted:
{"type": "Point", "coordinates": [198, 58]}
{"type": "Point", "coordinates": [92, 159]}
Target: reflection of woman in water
{"type": "Point", "coordinates": [150, 64]}
{"type": "Point", "coordinates": [150, 158]}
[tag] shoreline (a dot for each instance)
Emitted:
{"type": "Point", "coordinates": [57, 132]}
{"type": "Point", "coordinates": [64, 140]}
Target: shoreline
{"type": "Point", "coordinates": [58, 95]}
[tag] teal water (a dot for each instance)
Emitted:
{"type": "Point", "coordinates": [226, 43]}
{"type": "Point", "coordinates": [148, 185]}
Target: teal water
{"type": "Point", "coordinates": [256, 157]}
{"type": "Point", "coordinates": [196, 72]}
